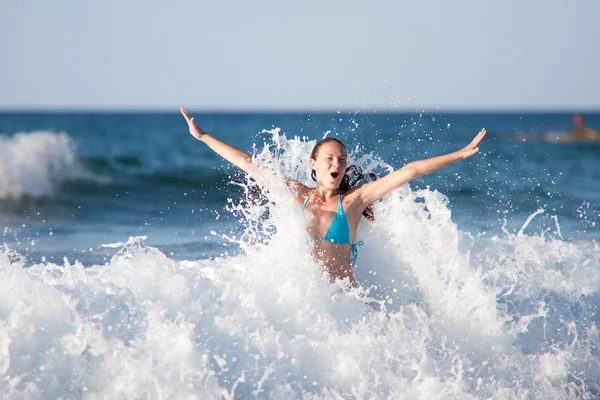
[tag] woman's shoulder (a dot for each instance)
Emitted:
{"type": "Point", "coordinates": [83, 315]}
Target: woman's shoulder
{"type": "Point", "coordinates": [351, 195]}
{"type": "Point", "coordinates": [353, 191]}
{"type": "Point", "coordinates": [298, 190]}
{"type": "Point", "coordinates": [296, 187]}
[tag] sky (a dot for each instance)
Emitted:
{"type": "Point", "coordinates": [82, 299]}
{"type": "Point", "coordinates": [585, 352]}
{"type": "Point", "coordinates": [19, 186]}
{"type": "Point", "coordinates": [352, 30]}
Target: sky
{"type": "Point", "coordinates": [309, 55]}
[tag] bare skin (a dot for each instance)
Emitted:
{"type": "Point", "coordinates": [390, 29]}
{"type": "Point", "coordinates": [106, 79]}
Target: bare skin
{"type": "Point", "coordinates": [330, 166]}
{"type": "Point", "coordinates": [580, 133]}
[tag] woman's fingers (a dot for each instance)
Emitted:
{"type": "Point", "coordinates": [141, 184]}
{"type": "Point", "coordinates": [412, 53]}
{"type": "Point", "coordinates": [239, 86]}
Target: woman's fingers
{"type": "Point", "coordinates": [478, 138]}
{"type": "Point", "coordinates": [184, 113]}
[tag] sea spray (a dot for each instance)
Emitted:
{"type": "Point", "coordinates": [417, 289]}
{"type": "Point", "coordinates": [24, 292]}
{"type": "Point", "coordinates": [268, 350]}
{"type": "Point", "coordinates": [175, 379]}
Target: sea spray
{"type": "Point", "coordinates": [33, 163]}
{"type": "Point", "coordinates": [439, 313]}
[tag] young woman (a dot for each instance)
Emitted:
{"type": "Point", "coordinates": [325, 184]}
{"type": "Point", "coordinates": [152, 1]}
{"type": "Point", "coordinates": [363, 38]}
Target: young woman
{"type": "Point", "coordinates": [334, 206]}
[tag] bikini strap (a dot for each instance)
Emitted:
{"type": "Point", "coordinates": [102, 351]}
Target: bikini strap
{"type": "Point", "coordinates": [306, 200]}
{"type": "Point", "coordinates": [354, 255]}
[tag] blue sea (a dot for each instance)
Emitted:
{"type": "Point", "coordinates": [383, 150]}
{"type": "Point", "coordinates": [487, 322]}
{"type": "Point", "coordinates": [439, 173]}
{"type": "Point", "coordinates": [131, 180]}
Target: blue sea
{"type": "Point", "coordinates": [137, 264]}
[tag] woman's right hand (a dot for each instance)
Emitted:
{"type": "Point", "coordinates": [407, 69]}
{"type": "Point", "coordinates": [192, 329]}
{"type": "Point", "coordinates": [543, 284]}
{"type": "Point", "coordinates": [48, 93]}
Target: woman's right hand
{"type": "Point", "coordinates": [194, 129]}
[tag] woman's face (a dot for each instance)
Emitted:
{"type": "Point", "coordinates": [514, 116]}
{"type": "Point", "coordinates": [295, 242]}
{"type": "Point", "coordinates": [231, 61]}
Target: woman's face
{"type": "Point", "coordinates": [330, 165]}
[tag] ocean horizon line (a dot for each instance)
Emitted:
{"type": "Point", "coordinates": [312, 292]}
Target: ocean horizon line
{"type": "Point", "coordinates": [292, 110]}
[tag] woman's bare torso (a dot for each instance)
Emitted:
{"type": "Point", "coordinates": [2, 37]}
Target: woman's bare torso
{"type": "Point", "coordinates": [320, 213]}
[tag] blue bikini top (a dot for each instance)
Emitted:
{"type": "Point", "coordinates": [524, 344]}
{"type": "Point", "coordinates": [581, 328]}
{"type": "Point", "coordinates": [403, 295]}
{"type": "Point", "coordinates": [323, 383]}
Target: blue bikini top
{"type": "Point", "coordinates": [338, 231]}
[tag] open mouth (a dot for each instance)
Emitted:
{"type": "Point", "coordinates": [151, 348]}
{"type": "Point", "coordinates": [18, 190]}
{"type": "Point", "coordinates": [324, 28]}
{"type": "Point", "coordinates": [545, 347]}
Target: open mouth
{"type": "Point", "coordinates": [335, 175]}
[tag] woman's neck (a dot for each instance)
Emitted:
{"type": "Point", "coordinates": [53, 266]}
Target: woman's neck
{"type": "Point", "coordinates": [326, 193]}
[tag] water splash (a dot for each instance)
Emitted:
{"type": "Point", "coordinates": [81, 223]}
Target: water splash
{"type": "Point", "coordinates": [34, 163]}
{"type": "Point", "coordinates": [440, 313]}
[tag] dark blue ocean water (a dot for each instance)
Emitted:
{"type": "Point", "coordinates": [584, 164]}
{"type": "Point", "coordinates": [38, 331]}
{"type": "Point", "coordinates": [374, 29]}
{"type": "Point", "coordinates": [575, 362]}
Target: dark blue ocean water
{"type": "Point", "coordinates": [108, 176]}
{"type": "Point", "coordinates": [477, 281]}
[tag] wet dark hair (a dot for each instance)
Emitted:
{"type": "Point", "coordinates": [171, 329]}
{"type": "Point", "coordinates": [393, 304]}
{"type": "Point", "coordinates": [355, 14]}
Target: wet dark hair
{"type": "Point", "coordinates": [353, 176]}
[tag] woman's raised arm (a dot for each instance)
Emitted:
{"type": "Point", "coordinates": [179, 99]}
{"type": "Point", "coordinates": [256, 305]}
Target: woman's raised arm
{"type": "Point", "coordinates": [373, 191]}
{"type": "Point", "coordinates": [236, 156]}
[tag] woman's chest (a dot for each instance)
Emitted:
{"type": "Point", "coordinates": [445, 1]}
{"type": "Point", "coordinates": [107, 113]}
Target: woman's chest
{"type": "Point", "coordinates": [334, 222]}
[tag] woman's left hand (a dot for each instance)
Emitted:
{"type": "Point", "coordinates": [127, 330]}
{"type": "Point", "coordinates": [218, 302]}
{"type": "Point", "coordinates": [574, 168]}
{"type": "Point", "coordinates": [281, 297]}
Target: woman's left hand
{"type": "Point", "coordinates": [472, 147]}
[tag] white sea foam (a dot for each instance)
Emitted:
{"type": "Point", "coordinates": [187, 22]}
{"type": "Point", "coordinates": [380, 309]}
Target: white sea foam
{"type": "Point", "coordinates": [33, 163]}
{"type": "Point", "coordinates": [440, 314]}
